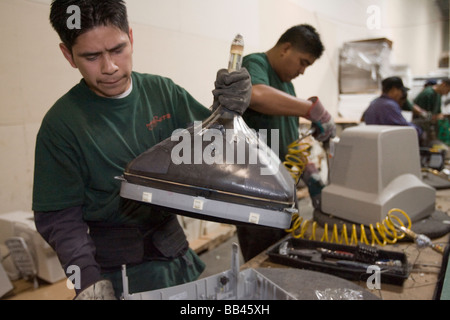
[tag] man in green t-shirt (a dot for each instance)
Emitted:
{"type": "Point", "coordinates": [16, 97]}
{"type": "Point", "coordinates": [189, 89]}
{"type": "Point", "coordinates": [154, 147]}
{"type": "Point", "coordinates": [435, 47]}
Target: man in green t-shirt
{"type": "Point", "coordinates": [86, 140]}
{"type": "Point", "coordinates": [430, 99]}
{"type": "Point", "coordinates": [274, 106]}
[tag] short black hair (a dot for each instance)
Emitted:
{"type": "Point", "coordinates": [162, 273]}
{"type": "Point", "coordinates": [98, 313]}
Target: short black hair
{"type": "Point", "coordinates": [304, 38]}
{"type": "Point", "coordinates": [93, 13]}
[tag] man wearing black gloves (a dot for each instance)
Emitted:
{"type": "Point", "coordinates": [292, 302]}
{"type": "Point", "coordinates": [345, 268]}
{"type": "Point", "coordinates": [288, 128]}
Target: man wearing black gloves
{"type": "Point", "coordinates": [87, 138]}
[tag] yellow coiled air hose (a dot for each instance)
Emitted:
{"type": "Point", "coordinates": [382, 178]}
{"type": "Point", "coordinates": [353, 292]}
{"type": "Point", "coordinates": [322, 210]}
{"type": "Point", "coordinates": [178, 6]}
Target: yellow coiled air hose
{"type": "Point", "coordinates": [297, 159]}
{"type": "Point", "coordinates": [382, 234]}
{"type": "Point", "coordinates": [386, 232]}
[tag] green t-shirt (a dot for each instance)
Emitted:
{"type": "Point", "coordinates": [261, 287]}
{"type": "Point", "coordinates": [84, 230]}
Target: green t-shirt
{"type": "Point", "coordinates": [85, 141]}
{"type": "Point", "coordinates": [429, 100]}
{"type": "Point", "coordinates": [261, 72]}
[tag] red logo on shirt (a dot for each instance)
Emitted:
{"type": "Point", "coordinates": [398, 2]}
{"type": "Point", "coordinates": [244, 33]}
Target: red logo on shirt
{"type": "Point", "coordinates": [156, 120]}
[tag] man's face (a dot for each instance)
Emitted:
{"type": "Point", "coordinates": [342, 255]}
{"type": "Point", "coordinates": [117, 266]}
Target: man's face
{"type": "Point", "coordinates": [400, 95]}
{"type": "Point", "coordinates": [103, 56]}
{"type": "Point", "coordinates": [445, 89]}
{"type": "Point", "coordinates": [292, 63]}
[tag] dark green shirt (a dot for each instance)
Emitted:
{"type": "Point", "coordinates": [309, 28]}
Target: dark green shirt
{"type": "Point", "coordinates": [85, 141]}
{"type": "Point", "coordinates": [261, 72]}
{"type": "Point", "coordinates": [429, 100]}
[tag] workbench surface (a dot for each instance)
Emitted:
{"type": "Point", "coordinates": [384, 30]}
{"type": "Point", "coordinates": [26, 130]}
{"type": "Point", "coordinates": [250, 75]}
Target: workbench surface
{"type": "Point", "coordinates": [420, 285]}
{"type": "Point", "coordinates": [425, 275]}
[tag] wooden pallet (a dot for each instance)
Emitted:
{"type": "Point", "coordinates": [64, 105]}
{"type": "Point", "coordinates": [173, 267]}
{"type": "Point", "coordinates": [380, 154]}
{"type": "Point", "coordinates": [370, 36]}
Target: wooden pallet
{"type": "Point", "coordinates": [213, 238]}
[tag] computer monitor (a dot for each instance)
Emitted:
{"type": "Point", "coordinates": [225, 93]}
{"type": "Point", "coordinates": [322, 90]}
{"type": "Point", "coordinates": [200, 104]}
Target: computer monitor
{"type": "Point", "coordinates": [376, 169]}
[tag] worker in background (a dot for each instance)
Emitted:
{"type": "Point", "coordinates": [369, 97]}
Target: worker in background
{"type": "Point", "coordinates": [275, 106]}
{"type": "Point", "coordinates": [386, 110]}
{"type": "Point", "coordinates": [87, 138]}
{"type": "Point", "coordinates": [418, 112]}
{"type": "Point", "coordinates": [430, 100]}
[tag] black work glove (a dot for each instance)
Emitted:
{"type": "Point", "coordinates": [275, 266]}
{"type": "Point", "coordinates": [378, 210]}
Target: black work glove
{"type": "Point", "coordinates": [233, 90]}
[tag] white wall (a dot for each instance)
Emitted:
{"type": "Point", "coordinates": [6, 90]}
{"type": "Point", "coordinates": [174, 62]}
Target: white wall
{"type": "Point", "coordinates": [187, 40]}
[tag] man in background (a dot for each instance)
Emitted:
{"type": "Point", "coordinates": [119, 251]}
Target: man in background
{"type": "Point", "coordinates": [275, 106]}
{"type": "Point", "coordinates": [386, 110]}
{"type": "Point", "coordinates": [430, 98]}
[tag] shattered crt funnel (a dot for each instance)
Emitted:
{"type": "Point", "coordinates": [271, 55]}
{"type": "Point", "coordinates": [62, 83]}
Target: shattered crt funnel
{"type": "Point", "coordinates": [218, 170]}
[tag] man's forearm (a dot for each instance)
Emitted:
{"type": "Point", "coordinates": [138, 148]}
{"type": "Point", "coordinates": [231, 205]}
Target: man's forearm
{"type": "Point", "coordinates": [271, 101]}
{"type": "Point", "coordinates": [67, 234]}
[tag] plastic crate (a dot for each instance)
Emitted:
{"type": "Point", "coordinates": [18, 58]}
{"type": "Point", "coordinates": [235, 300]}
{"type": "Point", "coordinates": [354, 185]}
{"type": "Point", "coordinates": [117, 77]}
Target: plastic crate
{"type": "Point", "coordinates": [248, 284]}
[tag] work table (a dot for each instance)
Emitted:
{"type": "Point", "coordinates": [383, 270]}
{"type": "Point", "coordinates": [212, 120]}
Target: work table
{"type": "Point", "coordinates": [425, 274]}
